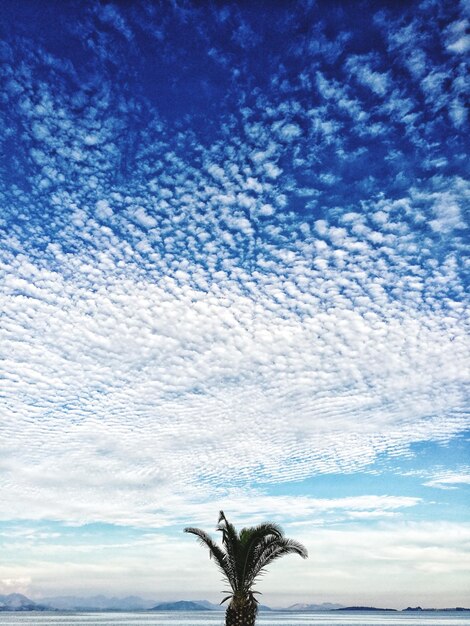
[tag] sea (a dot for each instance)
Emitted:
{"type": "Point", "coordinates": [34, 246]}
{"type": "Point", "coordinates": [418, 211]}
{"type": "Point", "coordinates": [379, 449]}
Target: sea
{"type": "Point", "coordinates": [216, 618]}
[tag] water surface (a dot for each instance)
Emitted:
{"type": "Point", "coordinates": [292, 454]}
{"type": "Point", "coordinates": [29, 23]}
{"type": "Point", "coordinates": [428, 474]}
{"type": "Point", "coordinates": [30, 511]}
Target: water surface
{"type": "Point", "coordinates": [216, 618]}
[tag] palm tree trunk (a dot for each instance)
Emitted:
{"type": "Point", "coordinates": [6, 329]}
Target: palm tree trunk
{"type": "Point", "coordinates": [241, 614]}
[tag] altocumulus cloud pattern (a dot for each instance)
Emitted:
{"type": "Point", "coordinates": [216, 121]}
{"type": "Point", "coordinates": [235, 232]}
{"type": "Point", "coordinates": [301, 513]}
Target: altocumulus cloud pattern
{"type": "Point", "coordinates": [233, 248]}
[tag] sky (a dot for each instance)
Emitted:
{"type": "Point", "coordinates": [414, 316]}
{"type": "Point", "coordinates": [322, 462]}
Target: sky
{"type": "Point", "coordinates": [233, 276]}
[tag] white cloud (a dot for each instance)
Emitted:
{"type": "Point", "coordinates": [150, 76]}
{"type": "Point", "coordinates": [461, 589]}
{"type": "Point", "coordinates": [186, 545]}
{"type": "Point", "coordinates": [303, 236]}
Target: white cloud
{"type": "Point", "coordinates": [145, 385]}
{"type": "Point", "coordinates": [458, 41]}
{"type": "Point", "coordinates": [449, 480]}
{"type": "Point", "coordinates": [288, 132]}
{"type": "Point", "coordinates": [376, 81]}
{"type": "Point", "coordinates": [145, 220]}
{"type": "Point", "coordinates": [103, 209]}
{"type": "Point", "coordinates": [15, 585]}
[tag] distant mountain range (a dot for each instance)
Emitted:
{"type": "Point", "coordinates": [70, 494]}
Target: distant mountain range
{"type": "Point", "coordinates": [326, 606]}
{"type": "Point", "coordinates": [19, 602]}
{"type": "Point", "coordinates": [99, 603]}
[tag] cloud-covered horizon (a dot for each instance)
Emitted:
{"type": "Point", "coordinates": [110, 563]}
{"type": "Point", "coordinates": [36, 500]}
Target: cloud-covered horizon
{"type": "Point", "coordinates": [233, 258]}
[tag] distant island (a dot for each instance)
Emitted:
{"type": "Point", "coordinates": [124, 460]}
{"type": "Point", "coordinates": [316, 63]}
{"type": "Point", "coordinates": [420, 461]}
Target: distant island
{"type": "Point", "coordinates": [363, 608]}
{"type": "Point", "coordinates": [181, 605]}
{"type": "Point", "coordinates": [418, 608]}
{"type": "Point", "coordinates": [15, 602]}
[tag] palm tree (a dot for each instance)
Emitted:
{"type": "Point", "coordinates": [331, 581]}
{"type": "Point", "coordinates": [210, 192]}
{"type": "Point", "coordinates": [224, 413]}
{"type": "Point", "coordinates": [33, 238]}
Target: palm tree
{"type": "Point", "coordinates": [243, 557]}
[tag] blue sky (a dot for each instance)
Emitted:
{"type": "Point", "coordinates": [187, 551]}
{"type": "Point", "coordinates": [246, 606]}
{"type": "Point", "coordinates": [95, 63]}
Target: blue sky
{"type": "Point", "coordinates": [233, 276]}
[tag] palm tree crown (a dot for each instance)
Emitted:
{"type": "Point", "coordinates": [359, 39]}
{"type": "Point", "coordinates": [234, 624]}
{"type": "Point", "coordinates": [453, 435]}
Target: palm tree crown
{"type": "Point", "coordinates": [245, 555]}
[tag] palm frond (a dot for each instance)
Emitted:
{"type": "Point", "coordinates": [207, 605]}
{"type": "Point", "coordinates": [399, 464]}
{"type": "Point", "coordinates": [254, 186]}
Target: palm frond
{"type": "Point", "coordinates": [267, 528]}
{"type": "Point", "coordinates": [226, 598]}
{"type": "Point", "coordinates": [250, 539]}
{"type": "Point", "coordinates": [220, 557]}
{"type": "Point", "coordinates": [270, 549]}
{"type": "Point", "coordinates": [231, 543]}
